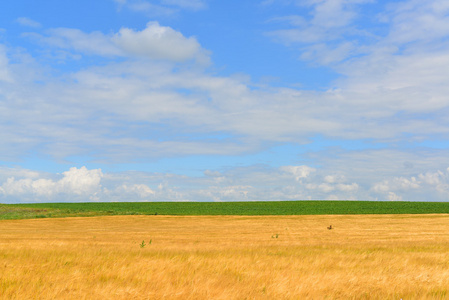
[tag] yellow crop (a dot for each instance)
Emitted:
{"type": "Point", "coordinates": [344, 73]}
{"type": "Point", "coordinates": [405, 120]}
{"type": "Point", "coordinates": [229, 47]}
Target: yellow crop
{"type": "Point", "coordinates": [226, 257]}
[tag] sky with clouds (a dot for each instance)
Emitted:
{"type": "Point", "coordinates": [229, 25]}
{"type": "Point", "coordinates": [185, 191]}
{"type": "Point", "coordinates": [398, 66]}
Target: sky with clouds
{"type": "Point", "coordinates": [197, 100]}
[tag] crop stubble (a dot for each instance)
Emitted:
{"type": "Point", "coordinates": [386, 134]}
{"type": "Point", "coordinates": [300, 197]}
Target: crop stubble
{"type": "Point", "coordinates": [226, 257]}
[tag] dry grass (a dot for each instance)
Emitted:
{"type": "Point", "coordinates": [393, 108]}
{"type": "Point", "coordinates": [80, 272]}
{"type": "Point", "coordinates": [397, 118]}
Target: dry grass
{"type": "Point", "coordinates": [228, 257]}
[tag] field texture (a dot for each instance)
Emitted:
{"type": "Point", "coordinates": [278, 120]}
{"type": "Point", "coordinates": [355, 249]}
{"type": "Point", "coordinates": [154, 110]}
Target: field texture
{"type": "Point", "coordinates": [52, 210]}
{"type": "Point", "coordinates": [226, 257]}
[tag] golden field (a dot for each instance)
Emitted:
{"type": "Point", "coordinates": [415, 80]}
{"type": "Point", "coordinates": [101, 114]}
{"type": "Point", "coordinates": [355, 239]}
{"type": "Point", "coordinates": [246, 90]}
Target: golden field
{"type": "Point", "coordinates": [226, 257]}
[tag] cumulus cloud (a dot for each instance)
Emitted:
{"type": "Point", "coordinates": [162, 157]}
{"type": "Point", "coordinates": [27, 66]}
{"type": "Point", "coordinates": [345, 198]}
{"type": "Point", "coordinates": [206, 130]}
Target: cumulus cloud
{"type": "Point", "coordinates": [80, 181]}
{"type": "Point", "coordinates": [140, 191]}
{"type": "Point", "coordinates": [158, 42]}
{"type": "Point", "coordinates": [74, 185]}
{"type": "Point", "coordinates": [154, 42]}
{"type": "Point", "coordinates": [426, 186]}
{"type": "Point", "coordinates": [235, 184]}
{"type": "Point", "coordinates": [298, 172]}
{"type": "Point", "coordinates": [76, 182]}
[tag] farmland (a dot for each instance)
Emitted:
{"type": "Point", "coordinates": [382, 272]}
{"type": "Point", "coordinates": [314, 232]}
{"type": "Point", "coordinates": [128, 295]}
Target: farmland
{"type": "Point", "coordinates": [48, 210]}
{"type": "Point", "coordinates": [226, 257]}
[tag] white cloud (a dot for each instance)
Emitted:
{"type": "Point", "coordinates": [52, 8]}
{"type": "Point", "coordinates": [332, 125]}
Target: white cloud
{"type": "Point", "coordinates": [95, 43]}
{"type": "Point", "coordinates": [154, 42]}
{"type": "Point", "coordinates": [298, 172]}
{"type": "Point", "coordinates": [142, 6]}
{"type": "Point", "coordinates": [429, 186]}
{"type": "Point", "coordinates": [398, 183]}
{"type": "Point", "coordinates": [325, 187]}
{"type": "Point", "coordinates": [381, 187]}
{"type": "Point", "coordinates": [333, 197]}
{"type": "Point", "coordinates": [334, 13]}
{"type": "Point", "coordinates": [4, 68]}
{"type": "Point", "coordinates": [161, 7]}
{"type": "Point", "coordinates": [159, 42]}
{"type": "Point", "coordinates": [418, 21]}
{"type": "Point", "coordinates": [150, 93]}
{"type": "Point", "coordinates": [75, 182]}
{"type": "Point", "coordinates": [24, 21]}
{"type": "Point", "coordinates": [142, 191]}
{"type": "Point", "coordinates": [235, 184]}
{"type": "Point", "coordinates": [26, 186]}
{"type": "Point", "coordinates": [334, 178]}
{"type": "Point", "coordinates": [334, 33]}
{"type": "Point", "coordinates": [80, 181]}
{"type": "Point", "coordinates": [347, 187]}
{"type": "Point", "coordinates": [329, 35]}
{"type": "Point", "coordinates": [326, 55]}
{"type": "Point", "coordinates": [233, 193]}
{"type": "Point", "coordinates": [6, 173]}
{"type": "Point", "coordinates": [393, 197]}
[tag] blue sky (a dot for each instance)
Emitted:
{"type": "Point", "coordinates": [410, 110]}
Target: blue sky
{"type": "Point", "coordinates": [175, 100]}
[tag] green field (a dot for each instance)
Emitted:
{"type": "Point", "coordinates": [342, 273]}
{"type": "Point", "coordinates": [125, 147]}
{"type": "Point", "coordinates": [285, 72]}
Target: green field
{"type": "Point", "coordinates": [55, 210]}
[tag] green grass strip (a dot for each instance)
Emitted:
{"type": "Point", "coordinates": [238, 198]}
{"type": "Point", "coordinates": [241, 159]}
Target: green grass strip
{"type": "Point", "coordinates": [48, 210]}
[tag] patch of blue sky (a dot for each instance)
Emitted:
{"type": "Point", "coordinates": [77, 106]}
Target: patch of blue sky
{"type": "Point", "coordinates": [83, 14]}
{"type": "Point", "coordinates": [234, 49]}
{"type": "Point", "coordinates": [39, 162]}
{"type": "Point", "coordinates": [87, 161]}
{"type": "Point", "coordinates": [239, 44]}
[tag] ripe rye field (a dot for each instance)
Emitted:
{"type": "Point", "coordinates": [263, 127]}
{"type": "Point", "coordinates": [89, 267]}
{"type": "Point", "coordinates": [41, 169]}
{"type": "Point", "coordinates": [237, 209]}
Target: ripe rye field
{"type": "Point", "coordinates": [398, 251]}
